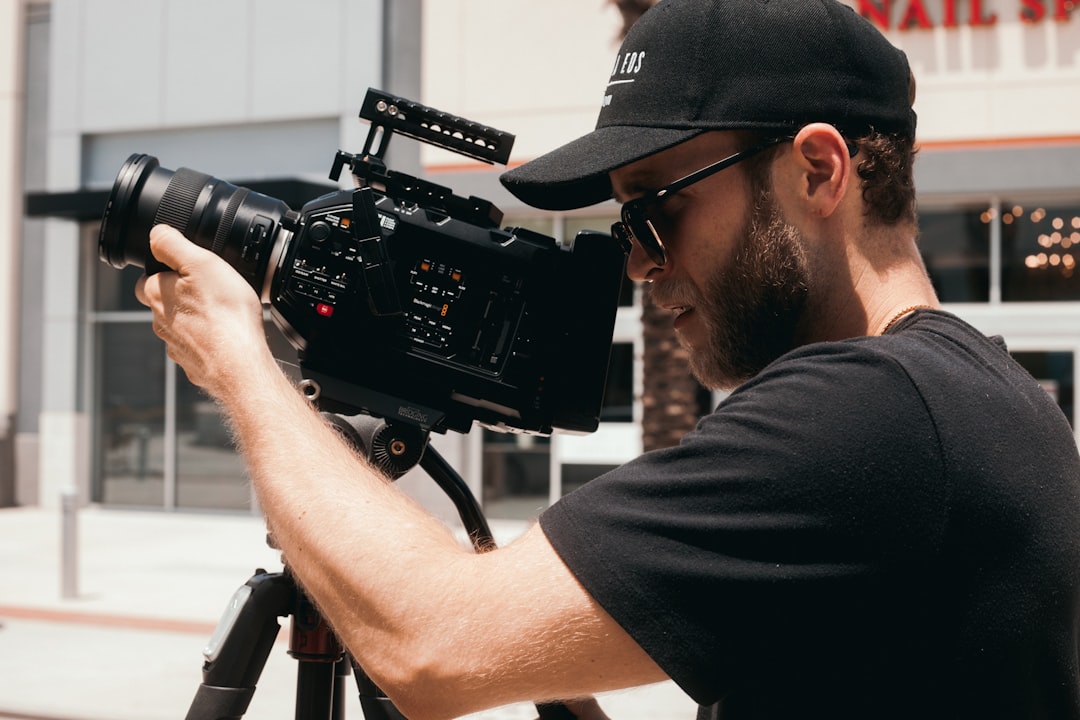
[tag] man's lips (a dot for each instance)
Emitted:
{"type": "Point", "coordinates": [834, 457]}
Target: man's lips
{"type": "Point", "coordinates": [681, 314]}
{"type": "Point", "coordinates": [677, 310]}
{"type": "Point", "coordinates": [683, 317]}
{"type": "Point", "coordinates": [675, 300]}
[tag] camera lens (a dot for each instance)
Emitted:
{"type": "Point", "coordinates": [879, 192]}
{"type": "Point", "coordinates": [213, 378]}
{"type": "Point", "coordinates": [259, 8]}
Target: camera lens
{"type": "Point", "coordinates": [234, 222]}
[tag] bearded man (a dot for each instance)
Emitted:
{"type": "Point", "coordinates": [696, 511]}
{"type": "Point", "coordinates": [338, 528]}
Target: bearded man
{"type": "Point", "coordinates": [882, 520]}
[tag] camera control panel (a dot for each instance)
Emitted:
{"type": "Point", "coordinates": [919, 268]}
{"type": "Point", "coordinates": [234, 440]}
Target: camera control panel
{"type": "Point", "coordinates": [324, 270]}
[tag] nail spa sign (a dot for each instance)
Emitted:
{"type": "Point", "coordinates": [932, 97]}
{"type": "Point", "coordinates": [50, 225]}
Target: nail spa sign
{"type": "Point", "coordinates": [928, 14]}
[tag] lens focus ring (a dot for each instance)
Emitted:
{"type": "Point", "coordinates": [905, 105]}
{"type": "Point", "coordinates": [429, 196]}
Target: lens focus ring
{"type": "Point", "coordinates": [178, 202]}
{"type": "Point", "coordinates": [221, 234]}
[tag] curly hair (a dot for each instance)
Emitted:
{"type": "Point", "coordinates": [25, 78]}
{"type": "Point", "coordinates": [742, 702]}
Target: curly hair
{"type": "Point", "coordinates": [885, 164]}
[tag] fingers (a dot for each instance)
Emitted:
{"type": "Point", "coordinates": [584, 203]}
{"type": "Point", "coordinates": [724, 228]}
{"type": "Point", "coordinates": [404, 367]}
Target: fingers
{"type": "Point", "coordinates": [148, 288]}
{"type": "Point", "coordinates": [140, 291]}
{"type": "Point", "coordinates": [169, 246]}
{"type": "Point", "coordinates": [206, 312]}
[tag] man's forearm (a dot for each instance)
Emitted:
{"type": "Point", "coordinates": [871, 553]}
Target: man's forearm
{"type": "Point", "coordinates": [355, 542]}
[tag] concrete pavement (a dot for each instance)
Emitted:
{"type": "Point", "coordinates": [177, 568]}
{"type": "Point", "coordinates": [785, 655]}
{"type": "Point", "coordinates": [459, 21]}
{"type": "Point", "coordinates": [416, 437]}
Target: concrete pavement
{"type": "Point", "coordinates": [150, 587]}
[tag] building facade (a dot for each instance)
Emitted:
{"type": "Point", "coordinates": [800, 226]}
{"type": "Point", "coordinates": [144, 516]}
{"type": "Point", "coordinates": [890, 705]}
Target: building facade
{"type": "Point", "coordinates": [264, 92]}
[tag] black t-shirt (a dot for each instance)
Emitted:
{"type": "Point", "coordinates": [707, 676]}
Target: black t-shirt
{"type": "Point", "coordinates": [879, 527]}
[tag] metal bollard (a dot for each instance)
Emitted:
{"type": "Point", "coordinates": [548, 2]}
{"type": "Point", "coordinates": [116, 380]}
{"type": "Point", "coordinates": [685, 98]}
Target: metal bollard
{"type": "Point", "coordinates": [69, 543]}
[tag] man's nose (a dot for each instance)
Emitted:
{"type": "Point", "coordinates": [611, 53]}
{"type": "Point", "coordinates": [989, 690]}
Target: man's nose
{"type": "Point", "coordinates": [639, 267]}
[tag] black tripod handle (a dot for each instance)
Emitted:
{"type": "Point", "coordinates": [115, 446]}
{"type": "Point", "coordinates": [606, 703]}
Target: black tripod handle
{"type": "Point", "coordinates": [237, 651]}
{"type": "Point", "coordinates": [554, 711]}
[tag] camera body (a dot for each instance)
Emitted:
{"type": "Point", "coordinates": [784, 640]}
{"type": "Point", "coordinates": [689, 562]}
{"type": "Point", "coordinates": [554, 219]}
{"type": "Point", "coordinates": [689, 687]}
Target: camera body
{"type": "Point", "coordinates": [403, 301]}
{"type": "Point", "coordinates": [458, 322]}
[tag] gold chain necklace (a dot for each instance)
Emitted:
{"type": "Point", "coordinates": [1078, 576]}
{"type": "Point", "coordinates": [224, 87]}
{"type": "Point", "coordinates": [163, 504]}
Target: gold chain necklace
{"type": "Point", "coordinates": [901, 314]}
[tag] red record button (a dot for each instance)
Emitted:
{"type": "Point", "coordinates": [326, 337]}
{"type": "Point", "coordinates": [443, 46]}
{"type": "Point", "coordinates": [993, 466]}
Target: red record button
{"type": "Point", "coordinates": [324, 309]}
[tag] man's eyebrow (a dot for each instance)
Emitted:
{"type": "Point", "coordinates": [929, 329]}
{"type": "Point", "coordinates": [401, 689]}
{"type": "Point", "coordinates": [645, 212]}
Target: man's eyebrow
{"type": "Point", "coordinates": [634, 186]}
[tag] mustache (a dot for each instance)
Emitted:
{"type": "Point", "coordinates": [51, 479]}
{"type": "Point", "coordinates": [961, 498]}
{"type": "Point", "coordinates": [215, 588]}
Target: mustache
{"type": "Point", "coordinates": [674, 292]}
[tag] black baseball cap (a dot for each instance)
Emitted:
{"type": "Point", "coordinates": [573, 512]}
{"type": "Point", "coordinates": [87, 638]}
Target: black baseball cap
{"type": "Point", "coordinates": [690, 66]}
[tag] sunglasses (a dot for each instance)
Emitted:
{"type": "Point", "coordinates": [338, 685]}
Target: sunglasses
{"type": "Point", "coordinates": [636, 226]}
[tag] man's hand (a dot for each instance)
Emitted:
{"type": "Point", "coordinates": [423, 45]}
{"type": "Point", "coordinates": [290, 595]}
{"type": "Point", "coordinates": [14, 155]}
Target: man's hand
{"type": "Point", "coordinates": [206, 313]}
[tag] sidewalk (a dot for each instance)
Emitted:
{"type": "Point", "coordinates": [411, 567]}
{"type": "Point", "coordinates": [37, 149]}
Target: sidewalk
{"type": "Point", "coordinates": [151, 587]}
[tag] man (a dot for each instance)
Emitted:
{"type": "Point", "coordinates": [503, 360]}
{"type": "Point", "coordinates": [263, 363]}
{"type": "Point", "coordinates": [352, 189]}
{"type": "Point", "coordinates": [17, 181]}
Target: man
{"type": "Point", "coordinates": [882, 520]}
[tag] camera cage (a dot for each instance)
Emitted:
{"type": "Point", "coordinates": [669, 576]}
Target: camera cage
{"type": "Point", "coordinates": [568, 300]}
{"type": "Point", "coordinates": [389, 114]}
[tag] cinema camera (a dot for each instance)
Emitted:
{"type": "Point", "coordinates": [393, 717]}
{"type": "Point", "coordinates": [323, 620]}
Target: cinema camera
{"type": "Point", "coordinates": [403, 300]}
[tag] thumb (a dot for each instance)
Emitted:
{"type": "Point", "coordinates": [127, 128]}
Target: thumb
{"type": "Point", "coordinates": [169, 246]}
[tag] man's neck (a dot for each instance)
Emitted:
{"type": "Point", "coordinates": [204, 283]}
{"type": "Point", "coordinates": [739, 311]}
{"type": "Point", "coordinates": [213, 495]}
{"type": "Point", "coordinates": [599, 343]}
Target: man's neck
{"type": "Point", "coordinates": [879, 278]}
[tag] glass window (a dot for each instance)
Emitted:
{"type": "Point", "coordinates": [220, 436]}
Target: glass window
{"type": "Point", "coordinates": [1054, 370]}
{"type": "Point", "coordinates": [130, 417]}
{"type": "Point", "coordinates": [1040, 246]}
{"type": "Point", "coordinates": [132, 455]}
{"type": "Point", "coordinates": [516, 475]}
{"type": "Point", "coordinates": [209, 471]}
{"type": "Point", "coordinates": [955, 246]}
{"type": "Point", "coordinates": [114, 290]}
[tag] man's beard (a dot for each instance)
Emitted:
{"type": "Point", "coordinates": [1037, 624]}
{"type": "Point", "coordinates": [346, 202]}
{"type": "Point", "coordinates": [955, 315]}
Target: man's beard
{"type": "Point", "coordinates": [752, 302]}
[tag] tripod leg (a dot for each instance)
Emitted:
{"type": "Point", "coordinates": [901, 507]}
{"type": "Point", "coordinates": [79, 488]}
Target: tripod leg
{"type": "Point", "coordinates": [237, 651]}
{"type": "Point", "coordinates": [373, 701]}
{"type": "Point", "coordinates": [320, 655]}
{"type": "Point", "coordinates": [342, 672]}
{"type": "Point", "coordinates": [312, 698]}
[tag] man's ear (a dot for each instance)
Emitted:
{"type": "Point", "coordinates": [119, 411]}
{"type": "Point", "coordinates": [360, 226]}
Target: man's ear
{"type": "Point", "coordinates": [824, 166]}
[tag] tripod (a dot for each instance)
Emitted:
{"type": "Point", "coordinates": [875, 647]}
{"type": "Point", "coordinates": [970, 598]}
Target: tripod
{"type": "Point", "coordinates": [237, 651]}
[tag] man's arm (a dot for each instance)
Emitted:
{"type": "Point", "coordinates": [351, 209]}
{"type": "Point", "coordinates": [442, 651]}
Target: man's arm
{"type": "Point", "coordinates": [442, 630]}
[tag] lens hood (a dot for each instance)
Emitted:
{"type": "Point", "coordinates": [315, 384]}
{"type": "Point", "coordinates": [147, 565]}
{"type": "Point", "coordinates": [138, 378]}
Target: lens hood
{"type": "Point", "coordinates": [121, 210]}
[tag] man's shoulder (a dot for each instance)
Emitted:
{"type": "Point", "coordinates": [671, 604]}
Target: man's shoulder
{"type": "Point", "coordinates": [932, 346]}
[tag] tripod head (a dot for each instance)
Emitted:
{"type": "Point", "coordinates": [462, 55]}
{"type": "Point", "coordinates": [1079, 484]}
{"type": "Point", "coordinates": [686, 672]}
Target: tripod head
{"type": "Point", "coordinates": [394, 448]}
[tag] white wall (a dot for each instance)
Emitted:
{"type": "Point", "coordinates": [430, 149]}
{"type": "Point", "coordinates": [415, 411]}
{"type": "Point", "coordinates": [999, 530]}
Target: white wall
{"type": "Point", "coordinates": [534, 69]}
{"type": "Point", "coordinates": [1009, 80]}
{"type": "Point", "coordinates": [538, 69]}
{"type": "Point", "coordinates": [132, 66]}
{"type": "Point", "coordinates": [12, 100]}
{"type": "Point", "coordinates": [167, 68]}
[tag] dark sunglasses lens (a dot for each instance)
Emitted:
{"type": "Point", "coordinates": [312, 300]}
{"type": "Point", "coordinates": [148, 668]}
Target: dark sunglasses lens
{"type": "Point", "coordinates": [621, 233]}
{"type": "Point", "coordinates": [645, 235]}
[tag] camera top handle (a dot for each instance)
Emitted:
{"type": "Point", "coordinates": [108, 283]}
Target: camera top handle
{"type": "Point", "coordinates": [389, 113]}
